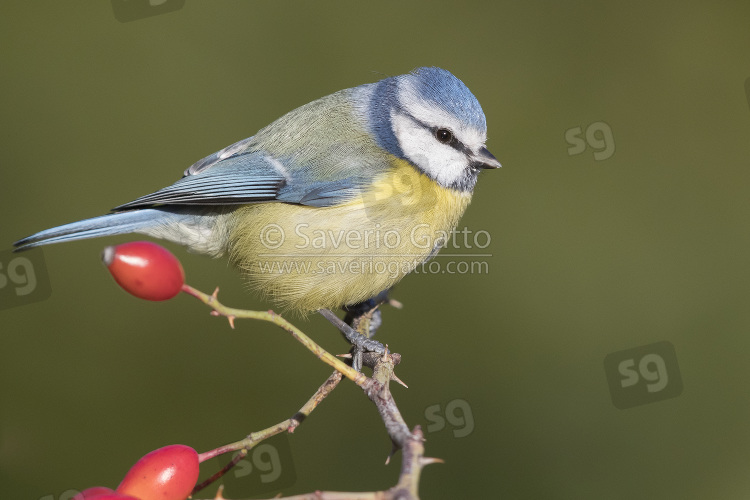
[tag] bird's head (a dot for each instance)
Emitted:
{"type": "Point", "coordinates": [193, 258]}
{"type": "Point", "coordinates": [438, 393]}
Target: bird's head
{"type": "Point", "coordinates": [430, 118]}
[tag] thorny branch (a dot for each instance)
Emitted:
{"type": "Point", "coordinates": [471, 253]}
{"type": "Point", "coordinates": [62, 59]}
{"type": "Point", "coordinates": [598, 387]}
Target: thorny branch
{"type": "Point", "coordinates": [376, 388]}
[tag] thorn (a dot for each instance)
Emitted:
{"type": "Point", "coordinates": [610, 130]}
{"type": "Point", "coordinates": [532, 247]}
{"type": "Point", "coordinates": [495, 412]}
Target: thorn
{"type": "Point", "coordinates": [348, 355]}
{"type": "Point", "coordinates": [394, 377]}
{"type": "Point", "coordinates": [215, 295]}
{"type": "Point", "coordinates": [385, 354]}
{"type": "Point", "coordinates": [430, 460]}
{"type": "Point", "coordinates": [219, 493]}
{"type": "Point", "coordinates": [231, 321]}
{"type": "Point", "coordinates": [394, 449]}
{"type": "Point", "coordinates": [395, 303]}
{"type": "Point", "coordinates": [215, 313]}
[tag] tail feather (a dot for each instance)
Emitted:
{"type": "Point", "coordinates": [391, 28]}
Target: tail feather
{"type": "Point", "coordinates": [105, 225]}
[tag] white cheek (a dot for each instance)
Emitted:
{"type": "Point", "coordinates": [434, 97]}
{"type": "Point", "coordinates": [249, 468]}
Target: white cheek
{"type": "Point", "coordinates": [439, 161]}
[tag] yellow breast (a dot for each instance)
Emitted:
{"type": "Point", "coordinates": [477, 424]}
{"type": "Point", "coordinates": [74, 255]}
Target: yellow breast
{"type": "Point", "coordinates": [308, 258]}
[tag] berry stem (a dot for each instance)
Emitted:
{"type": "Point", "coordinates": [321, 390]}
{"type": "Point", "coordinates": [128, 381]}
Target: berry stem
{"type": "Point", "coordinates": [271, 317]}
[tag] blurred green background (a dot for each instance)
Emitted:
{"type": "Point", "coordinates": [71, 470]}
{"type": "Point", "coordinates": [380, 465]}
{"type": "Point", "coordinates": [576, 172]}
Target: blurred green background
{"type": "Point", "coordinates": [589, 257]}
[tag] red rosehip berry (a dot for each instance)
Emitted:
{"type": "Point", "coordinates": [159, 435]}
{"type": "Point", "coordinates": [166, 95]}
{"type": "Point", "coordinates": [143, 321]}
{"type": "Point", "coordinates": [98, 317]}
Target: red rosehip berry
{"type": "Point", "coordinates": [169, 473]}
{"type": "Point", "coordinates": [144, 269]}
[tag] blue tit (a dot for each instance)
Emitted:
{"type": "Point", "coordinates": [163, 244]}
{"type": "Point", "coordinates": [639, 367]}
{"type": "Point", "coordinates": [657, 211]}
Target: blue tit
{"type": "Point", "coordinates": [332, 203]}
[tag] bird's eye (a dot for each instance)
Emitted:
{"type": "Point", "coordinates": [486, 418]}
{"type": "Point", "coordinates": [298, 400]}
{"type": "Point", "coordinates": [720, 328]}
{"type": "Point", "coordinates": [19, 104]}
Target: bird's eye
{"type": "Point", "coordinates": [443, 135]}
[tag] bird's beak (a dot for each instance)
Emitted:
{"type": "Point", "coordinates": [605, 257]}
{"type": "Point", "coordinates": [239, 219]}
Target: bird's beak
{"type": "Point", "coordinates": [484, 159]}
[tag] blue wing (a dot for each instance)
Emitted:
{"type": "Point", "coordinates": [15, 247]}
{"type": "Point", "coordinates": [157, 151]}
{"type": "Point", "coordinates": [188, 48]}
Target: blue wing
{"type": "Point", "coordinates": [233, 176]}
{"type": "Point", "coordinates": [243, 178]}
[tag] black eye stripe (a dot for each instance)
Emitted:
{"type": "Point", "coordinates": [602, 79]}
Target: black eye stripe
{"type": "Point", "coordinates": [452, 141]}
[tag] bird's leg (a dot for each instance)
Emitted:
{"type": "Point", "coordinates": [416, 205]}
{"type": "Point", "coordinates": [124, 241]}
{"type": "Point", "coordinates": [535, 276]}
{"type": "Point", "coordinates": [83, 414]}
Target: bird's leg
{"type": "Point", "coordinates": [357, 330]}
{"type": "Point", "coordinates": [365, 318]}
{"type": "Point", "coordinates": [353, 336]}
